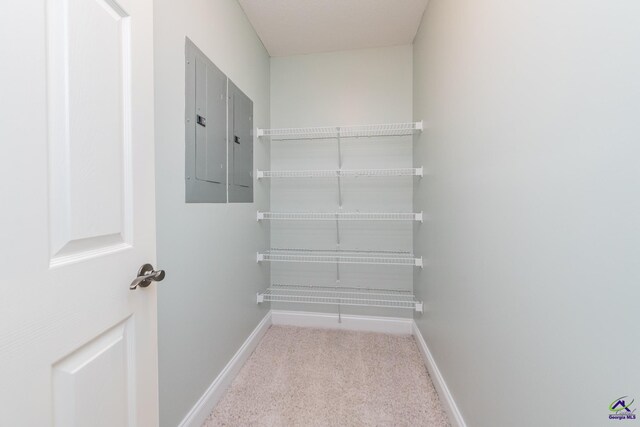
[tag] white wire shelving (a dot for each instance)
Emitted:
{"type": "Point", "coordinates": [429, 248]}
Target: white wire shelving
{"type": "Point", "coordinates": [341, 295]}
{"type": "Point", "coordinates": [336, 294]}
{"type": "Point", "coordinates": [332, 132]}
{"type": "Point", "coordinates": [337, 173]}
{"type": "Point", "coordinates": [340, 257]}
{"type": "Point", "coordinates": [339, 216]}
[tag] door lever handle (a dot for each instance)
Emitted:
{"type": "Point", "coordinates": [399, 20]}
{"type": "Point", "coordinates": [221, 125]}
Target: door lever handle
{"type": "Point", "coordinates": [146, 275]}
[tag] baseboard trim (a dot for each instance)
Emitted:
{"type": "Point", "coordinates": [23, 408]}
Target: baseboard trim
{"type": "Point", "coordinates": [455, 417]}
{"type": "Point", "coordinates": [307, 319]}
{"type": "Point", "coordinates": [203, 407]}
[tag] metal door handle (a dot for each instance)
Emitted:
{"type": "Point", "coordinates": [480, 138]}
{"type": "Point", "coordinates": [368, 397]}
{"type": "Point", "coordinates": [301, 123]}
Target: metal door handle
{"type": "Point", "coordinates": [146, 275]}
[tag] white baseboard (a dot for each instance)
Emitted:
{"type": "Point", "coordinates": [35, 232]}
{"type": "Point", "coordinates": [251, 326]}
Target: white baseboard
{"type": "Point", "coordinates": [455, 417]}
{"type": "Point", "coordinates": [203, 407]}
{"type": "Point", "coordinates": [387, 325]}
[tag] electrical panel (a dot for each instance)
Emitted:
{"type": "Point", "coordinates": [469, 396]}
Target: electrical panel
{"type": "Point", "coordinates": [219, 134]}
{"type": "Point", "coordinates": [240, 149]}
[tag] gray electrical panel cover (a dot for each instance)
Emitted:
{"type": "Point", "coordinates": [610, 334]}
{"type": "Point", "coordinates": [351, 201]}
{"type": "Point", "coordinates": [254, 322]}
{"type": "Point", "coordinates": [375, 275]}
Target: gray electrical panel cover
{"type": "Point", "coordinates": [206, 129]}
{"type": "Point", "coordinates": [240, 149]}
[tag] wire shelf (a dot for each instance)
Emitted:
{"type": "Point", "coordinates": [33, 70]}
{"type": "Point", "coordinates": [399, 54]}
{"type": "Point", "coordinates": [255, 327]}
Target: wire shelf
{"type": "Point", "coordinates": [339, 257]}
{"type": "Point", "coordinates": [334, 173]}
{"type": "Point", "coordinates": [340, 295]}
{"type": "Point", "coordinates": [340, 216]}
{"type": "Point", "coordinates": [330, 132]}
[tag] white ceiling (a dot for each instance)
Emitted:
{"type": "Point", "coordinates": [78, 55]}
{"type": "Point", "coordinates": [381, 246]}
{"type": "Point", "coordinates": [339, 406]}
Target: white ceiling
{"type": "Point", "coordinates": [292, 27]}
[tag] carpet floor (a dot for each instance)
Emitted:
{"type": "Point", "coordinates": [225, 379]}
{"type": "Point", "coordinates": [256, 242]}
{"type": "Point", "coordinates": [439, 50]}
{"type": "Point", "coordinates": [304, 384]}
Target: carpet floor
{"type": "Point", "coordinates": [318, 377]}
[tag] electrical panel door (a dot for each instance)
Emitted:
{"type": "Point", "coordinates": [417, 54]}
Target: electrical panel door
{"type": "Point", "coordinates": [211, 88]}
{"type": "Point", "coordinates": [206, 129]}
{"type": "Point", "coordinates": [240, 127]}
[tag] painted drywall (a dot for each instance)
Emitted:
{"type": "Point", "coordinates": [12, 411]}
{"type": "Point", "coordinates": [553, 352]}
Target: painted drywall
{"type": "Point", "coordinates": [533, 244]}
{"type": "Point", "coordinates": [342, 88]}
{"type": "Point", "coordinates": [294, 27]}
{"type": "Point", "coordinates": [207, 303]}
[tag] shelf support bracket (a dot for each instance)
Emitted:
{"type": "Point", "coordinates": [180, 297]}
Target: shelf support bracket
{"type": "Point", "coordinates": [340, 208]}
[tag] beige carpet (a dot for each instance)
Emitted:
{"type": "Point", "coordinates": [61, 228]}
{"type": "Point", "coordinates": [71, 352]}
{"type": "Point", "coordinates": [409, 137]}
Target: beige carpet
{"type": "Point", "coordinates": [317, 377]}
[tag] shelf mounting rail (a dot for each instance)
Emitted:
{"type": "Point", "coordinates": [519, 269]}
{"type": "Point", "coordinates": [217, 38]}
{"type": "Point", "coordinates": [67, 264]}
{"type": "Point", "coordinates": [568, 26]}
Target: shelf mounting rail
{"type": "Point", "coordinates": [340, 216]}
{"type": "Point", "coordinates": [340, 295]}
{"type": "Point", "coordinates": [332, 132]}
{"type": "Point", "coordinates": [340, 257]}
{"type": "Point", "coordinates": [334, 173]}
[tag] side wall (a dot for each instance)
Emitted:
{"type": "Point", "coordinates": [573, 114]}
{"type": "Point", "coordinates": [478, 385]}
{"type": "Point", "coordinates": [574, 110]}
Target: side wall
{"type": "Point", "coordinates": [533, 247]}
{"type": "Point", "coordinates": [206, 305]}
{"type": "Point", "coordinates": [365, 86]}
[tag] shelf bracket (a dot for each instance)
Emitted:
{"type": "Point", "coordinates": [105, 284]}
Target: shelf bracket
{"type": "Point", "coordinates": [419, 262]}
{"type": "Point", "coordinates": [260, 297]}
{"type": "Point", "coordinates": [419, 306]}
{"type": "Point", "coordinates": [420, 217]}
{"type": "Point", "coordinates": [259, 174]}
{"type": "Point", "coordinates": [420, 172]}
{"type": "Point", "coordinates": [259, 132]}
{"type": "Point", "coordinates": [259, 257]}
{"type": "Point", "coordinates": [260, 216]}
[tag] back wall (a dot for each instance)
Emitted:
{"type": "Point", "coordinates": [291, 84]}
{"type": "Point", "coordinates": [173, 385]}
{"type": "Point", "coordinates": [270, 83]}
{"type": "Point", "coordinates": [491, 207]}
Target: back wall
{"type": "Point", "coordinates": [365, 86]}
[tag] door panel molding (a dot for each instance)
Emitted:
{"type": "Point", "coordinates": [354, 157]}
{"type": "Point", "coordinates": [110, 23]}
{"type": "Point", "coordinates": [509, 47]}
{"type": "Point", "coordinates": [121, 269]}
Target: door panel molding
{"type": "Point", "coordinates": [89, 76]}
{"type": "Point", "coordinates": [96, 382]}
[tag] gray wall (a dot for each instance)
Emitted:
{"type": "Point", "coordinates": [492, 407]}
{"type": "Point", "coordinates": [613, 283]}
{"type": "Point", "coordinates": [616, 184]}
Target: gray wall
{"type": "Point", "coordinates": [532, 285]}
{"type": "Point", "coordinates": [342, 88]}
{"type": "Point", "coordinates": [206, 305]}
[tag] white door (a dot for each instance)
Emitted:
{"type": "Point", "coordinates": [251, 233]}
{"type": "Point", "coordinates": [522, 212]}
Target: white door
{"type": "Point", "coordinates": [77, 347]}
